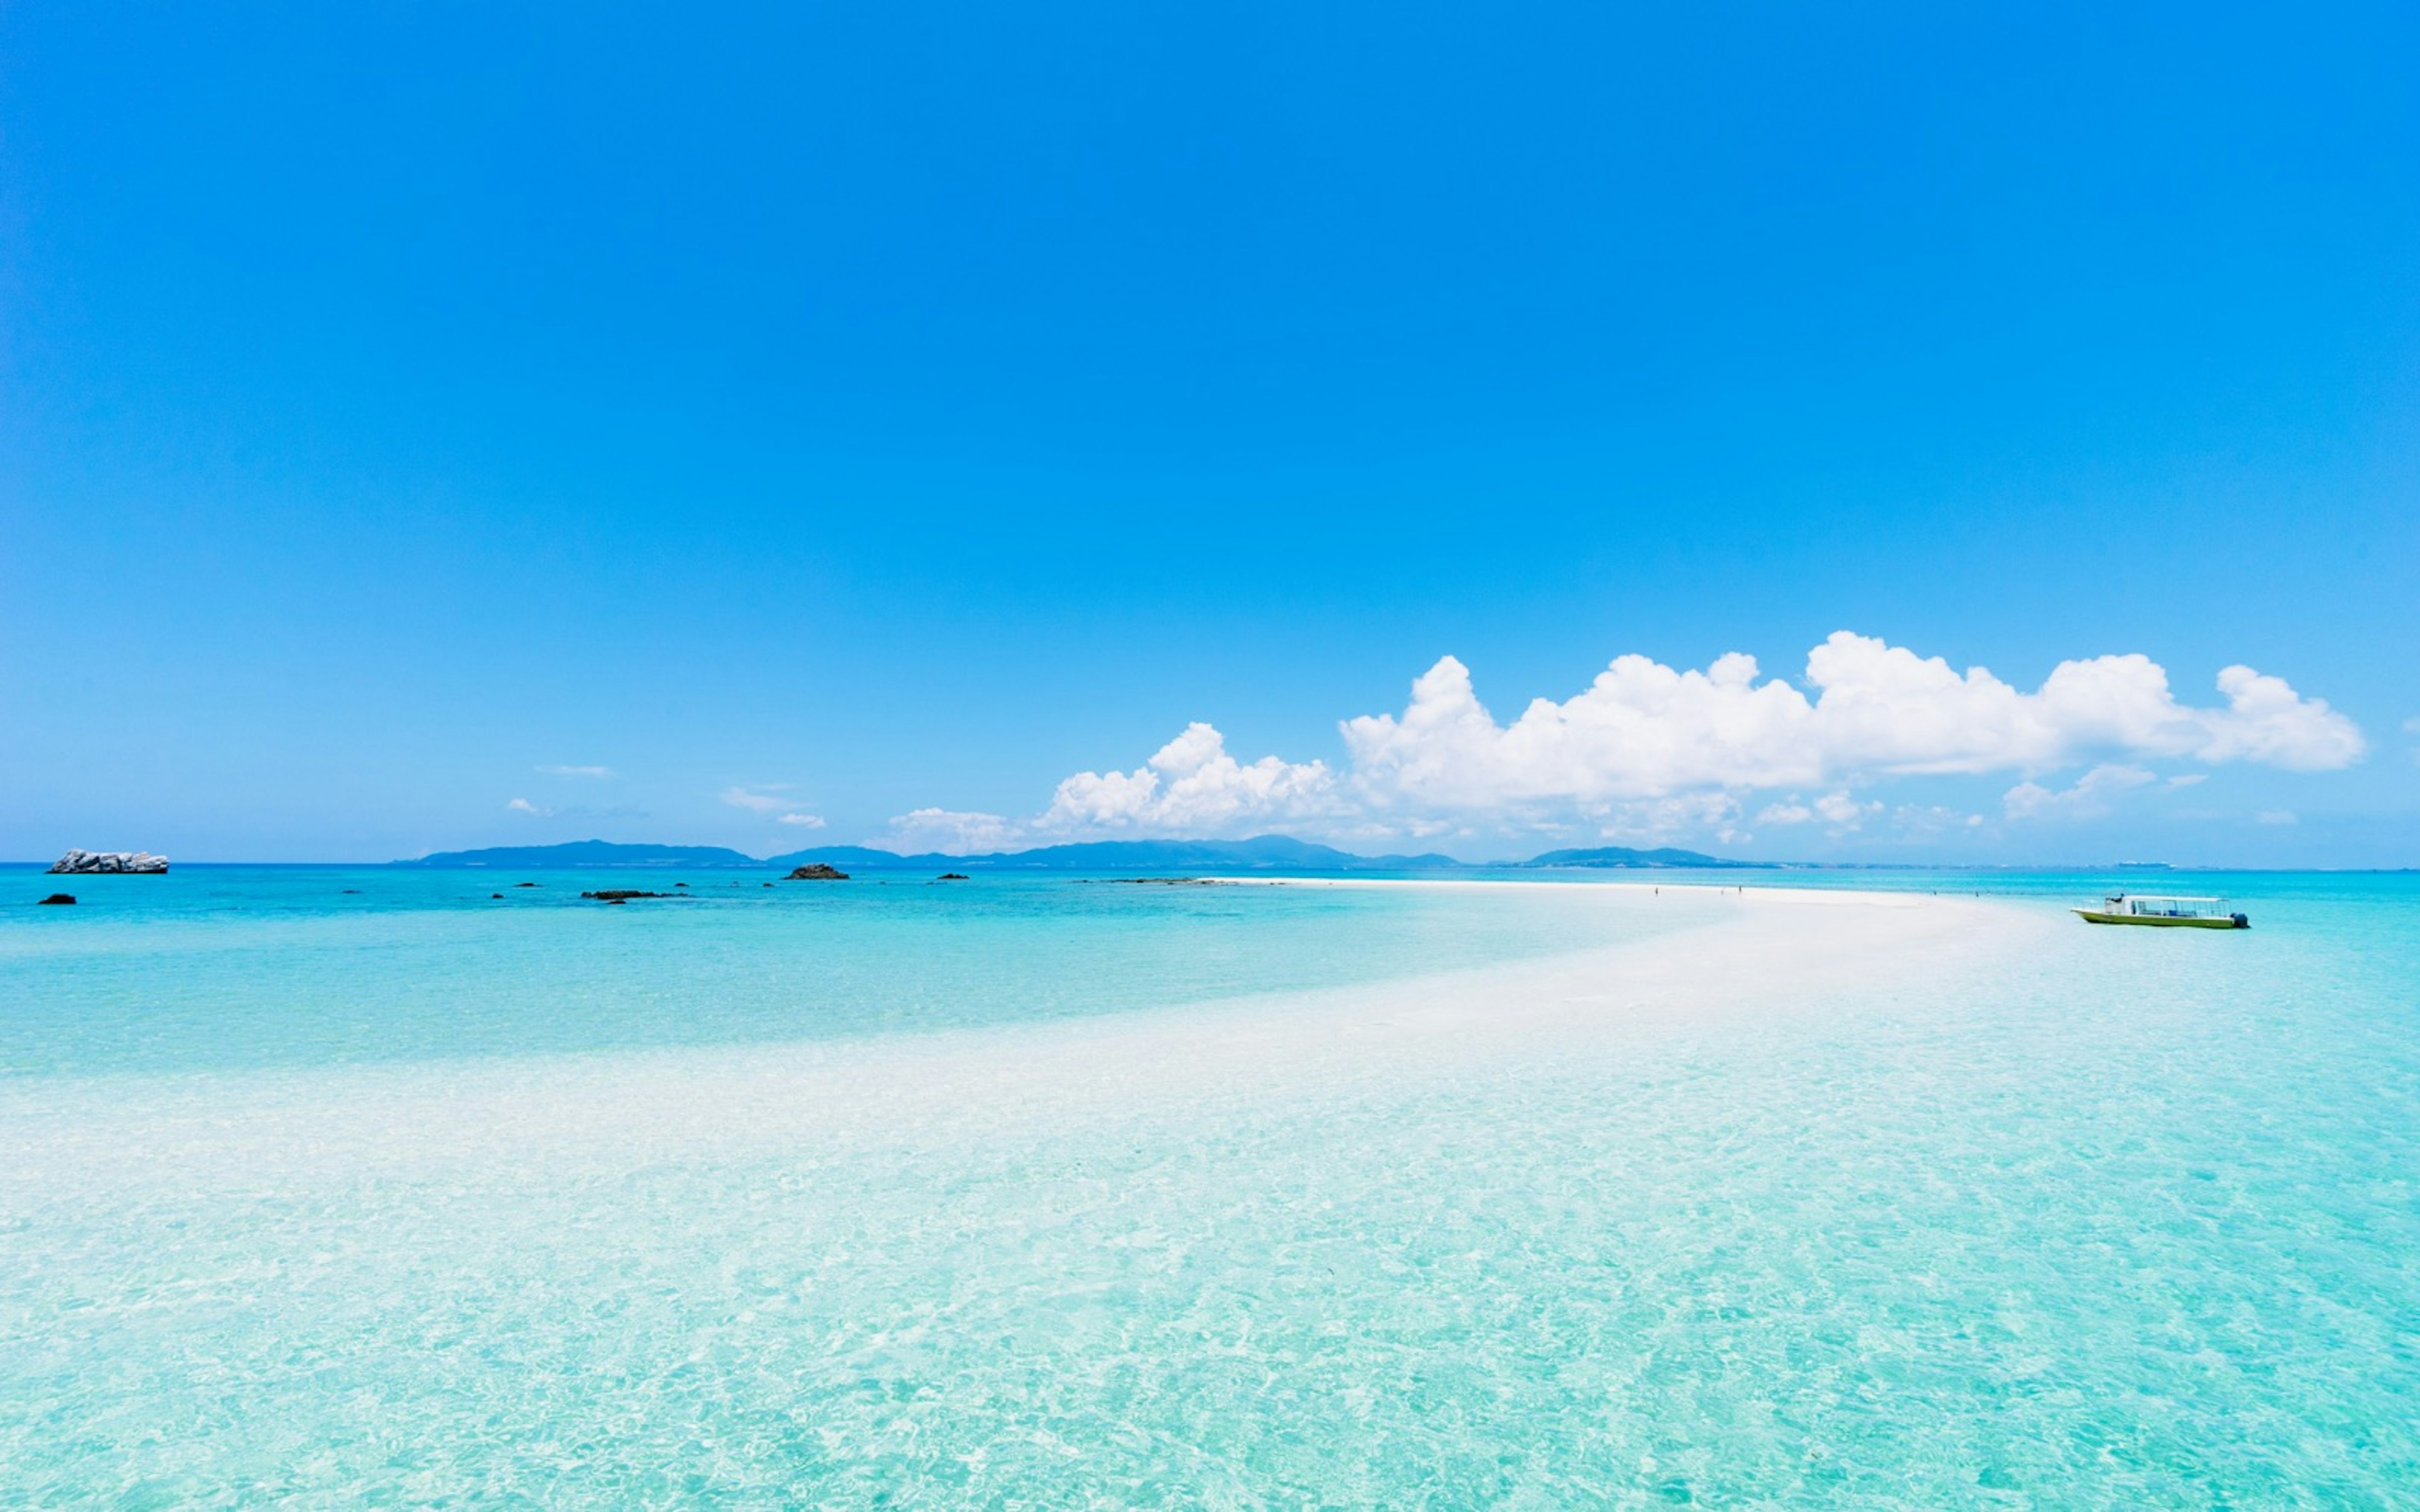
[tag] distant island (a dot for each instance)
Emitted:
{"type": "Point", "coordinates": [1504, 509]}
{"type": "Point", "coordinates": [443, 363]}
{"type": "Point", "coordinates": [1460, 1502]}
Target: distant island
{"type": "Point", "coordinates": [586, 853]}
{"type": "Point", "coordinates": [1624, 857]}
{"type": "Point", "coordinates": [1264, 852]}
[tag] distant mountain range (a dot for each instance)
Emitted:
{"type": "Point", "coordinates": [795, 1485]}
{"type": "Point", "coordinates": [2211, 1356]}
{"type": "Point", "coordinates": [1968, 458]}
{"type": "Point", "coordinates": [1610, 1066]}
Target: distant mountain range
{"type": "Point", "coordinates": [1264, 852]}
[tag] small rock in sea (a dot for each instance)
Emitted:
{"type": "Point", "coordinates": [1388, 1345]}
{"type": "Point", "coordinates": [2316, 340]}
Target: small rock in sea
{"type": "Point", "coordinates": [75, 862]}
{"type": "Point", "coordinates": [60, 898]}
{"type": "Point", "coordinates": [951, 876]}
{"type": "Point", "coordinates": [818, 872]}
{"type": "Point", "coordinates": [680, 884]}
{"type": "Point", "coordinates": [767, 883]}
{"type": "Point", "coordinates": [616, 895]}
{"type": "Point", "coordinates": [524, 884]}
{"type": "Point", "coordinates": [495, 895]}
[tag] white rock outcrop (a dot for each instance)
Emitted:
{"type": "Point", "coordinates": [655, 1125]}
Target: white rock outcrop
{"type": "Point", "coordinates": [110, 861]}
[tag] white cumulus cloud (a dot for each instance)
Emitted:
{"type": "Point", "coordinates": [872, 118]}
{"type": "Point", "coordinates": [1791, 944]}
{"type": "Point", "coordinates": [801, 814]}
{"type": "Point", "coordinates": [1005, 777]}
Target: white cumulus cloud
{"type": "Point", "coordinates": [1837, 808]}
{"type": "Point", "coordinates": [804, 821]}
{"type": "Point", "coordinates": [525, 806]}
{"type": "Point", "coordinates": [1642, 728]}
{"type": "Point", "coordinates": [1840, 810]}
{"type": "Point", "coordinates": [2089, 796]}
{"type": "Point", "coordinates": [1192, 786]}
{"type": "Point", "coordinates": [1654, 820]}
{"type": "Point", "coordinates": [1647, 750]}
{"type": "Point", "coordinates": [957, 831]}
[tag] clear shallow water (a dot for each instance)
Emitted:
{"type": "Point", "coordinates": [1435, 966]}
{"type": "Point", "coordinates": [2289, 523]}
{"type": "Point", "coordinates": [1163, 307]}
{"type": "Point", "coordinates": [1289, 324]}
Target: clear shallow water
{"type": "Point", "coordinates": [2129, 1219]}
{"type": "Point", "coordinates": [227, 967]}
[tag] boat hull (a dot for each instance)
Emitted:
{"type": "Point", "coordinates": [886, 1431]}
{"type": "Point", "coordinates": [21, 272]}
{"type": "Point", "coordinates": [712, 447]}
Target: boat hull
{"type": "Point", "coordinates": [2092, 915]}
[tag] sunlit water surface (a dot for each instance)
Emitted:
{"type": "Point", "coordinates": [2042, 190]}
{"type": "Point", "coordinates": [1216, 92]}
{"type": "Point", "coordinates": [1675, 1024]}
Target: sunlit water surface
{"type": "Point", "coordinates": [2127, 1218]}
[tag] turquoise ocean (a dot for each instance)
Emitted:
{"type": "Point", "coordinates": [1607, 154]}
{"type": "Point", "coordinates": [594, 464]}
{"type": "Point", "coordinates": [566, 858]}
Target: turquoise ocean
{"type": "Point", "coordinates": [379, 1187]}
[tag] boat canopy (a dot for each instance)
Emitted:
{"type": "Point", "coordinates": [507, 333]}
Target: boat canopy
{"type": "Point", "coordinates": [2155, 907]}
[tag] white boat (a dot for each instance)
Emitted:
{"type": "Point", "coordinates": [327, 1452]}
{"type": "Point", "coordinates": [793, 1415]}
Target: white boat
{"type": "Point", "coordinates": [2164, 912]}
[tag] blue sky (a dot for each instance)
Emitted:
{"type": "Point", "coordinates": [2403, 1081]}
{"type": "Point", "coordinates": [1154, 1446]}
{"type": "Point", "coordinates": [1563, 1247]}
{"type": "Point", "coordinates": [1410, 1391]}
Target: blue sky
{"type": "Point", "coordinates": [846, 415]}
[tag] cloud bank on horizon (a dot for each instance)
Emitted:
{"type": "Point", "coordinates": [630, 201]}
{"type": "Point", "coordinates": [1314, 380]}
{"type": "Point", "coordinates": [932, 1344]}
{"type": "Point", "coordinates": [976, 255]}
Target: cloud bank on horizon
{"type": "Point", "coordinates": [1647, 750]}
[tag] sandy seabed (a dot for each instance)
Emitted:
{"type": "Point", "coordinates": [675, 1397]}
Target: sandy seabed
{"type": "Point", "coordinates": [1811, 1198]}
{"type": "Point", "coordinates": [1737, 954]}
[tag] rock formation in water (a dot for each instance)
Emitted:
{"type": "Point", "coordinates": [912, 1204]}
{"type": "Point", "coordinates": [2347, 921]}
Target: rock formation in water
{"type": "Point", "coordinates": [818, 872]}
{"type": "Point", "coordinates": [110, 861]}
{"type": "Point", "coordinates": [60, 898]}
